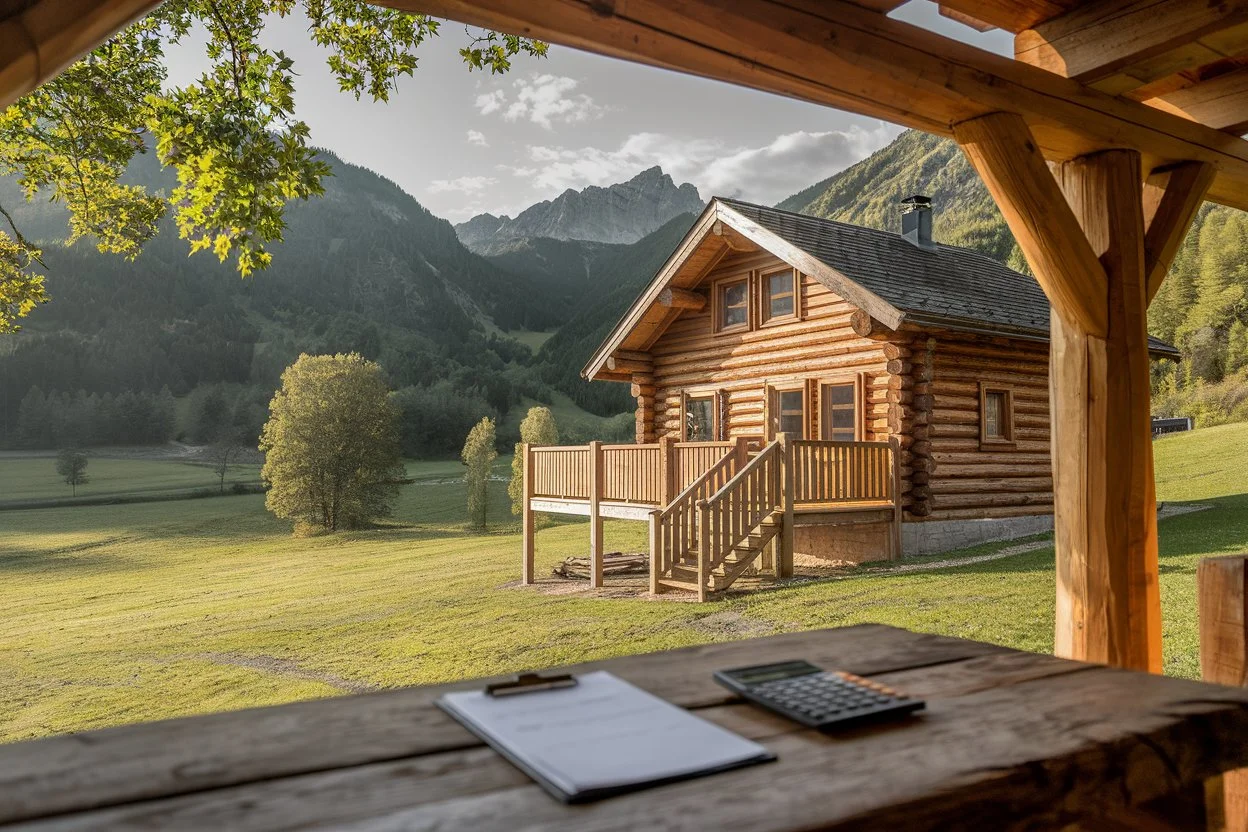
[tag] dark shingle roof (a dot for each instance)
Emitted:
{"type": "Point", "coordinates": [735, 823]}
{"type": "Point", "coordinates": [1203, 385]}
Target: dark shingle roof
{"type": "Point", "coordinates": [942, 285]}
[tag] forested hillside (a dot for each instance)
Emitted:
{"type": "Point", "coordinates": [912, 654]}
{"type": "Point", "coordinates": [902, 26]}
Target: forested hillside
{"type": "Point", "coordinates": [1202, 307]}
{"type": "Point", "coordinates": [366, 268]}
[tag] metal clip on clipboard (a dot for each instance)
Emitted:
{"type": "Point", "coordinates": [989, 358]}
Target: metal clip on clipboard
{"type": "Point", "coordinates": [530, 683]}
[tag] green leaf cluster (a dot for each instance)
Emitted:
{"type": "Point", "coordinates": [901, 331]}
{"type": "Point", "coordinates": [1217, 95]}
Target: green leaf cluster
{"type": "Point", "coordinates": [332, 444]}
{"type": "Point", "coordinates": [238, 147]}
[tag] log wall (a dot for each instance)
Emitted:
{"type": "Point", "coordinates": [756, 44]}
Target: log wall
{"type": "Point", "coordinates": [691, 357]}
{"type": "Point", "coordinates": [921, 386]}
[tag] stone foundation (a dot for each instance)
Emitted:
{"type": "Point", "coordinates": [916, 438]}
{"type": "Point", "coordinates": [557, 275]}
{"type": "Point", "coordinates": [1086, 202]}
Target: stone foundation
{"type": "Point", "coordinates": [856, 543]}
{"type": "Point", "coordinates": [936, 536]}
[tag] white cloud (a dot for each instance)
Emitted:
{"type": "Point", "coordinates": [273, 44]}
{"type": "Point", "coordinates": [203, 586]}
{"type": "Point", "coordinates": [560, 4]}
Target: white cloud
{"type": "Point", "coordinates": [765, 174]}
{"type": "Point", "coordinates": [490, 102]}
{"type": "Point", "coordinates": [462, 185]}
{"type": "Point", "coordinates": [478, 138]}
{"type": "Point", "coordinates": [543, 100]}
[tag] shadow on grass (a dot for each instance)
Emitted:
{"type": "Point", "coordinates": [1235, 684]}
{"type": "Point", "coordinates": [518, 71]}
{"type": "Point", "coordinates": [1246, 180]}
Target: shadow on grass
{"type": "Point", "coordinates": [29, 563]}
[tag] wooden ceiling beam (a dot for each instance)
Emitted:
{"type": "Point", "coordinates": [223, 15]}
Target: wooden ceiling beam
{"type": "Point", "coordinates": [1011, 15]}
{"type": "Point", "coordinates": [838, 54]}
{"type": "Point", "coordinates": [1100, 39]}
{"type": "Point", "coordinates": [1220, 102]}
{"type": "Point", "coordinates": [1170, 202]}
{"type": "Point", "coordinates": [733, 238]}
{"type": "Point", "coordinates": [39, 41]}
{"type": "Point", "coordinates": [1002, 151]}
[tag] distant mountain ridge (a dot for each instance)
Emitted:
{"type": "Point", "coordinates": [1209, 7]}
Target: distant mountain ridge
{"type": "Point", "coordinates": [621, 213]}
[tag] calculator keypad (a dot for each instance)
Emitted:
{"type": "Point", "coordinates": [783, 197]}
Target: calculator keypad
{"type": "Point", "coordinates": [827, 697]}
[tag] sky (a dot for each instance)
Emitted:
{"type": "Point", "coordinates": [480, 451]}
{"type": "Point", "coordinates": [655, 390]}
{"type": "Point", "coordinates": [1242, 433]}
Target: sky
{"type": "Point", "coordinates": [466, 143]}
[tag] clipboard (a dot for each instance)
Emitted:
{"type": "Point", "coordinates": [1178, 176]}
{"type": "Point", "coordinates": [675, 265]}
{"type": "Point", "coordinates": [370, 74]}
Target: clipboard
{"type": "Point", "coordinates": [595, 736]}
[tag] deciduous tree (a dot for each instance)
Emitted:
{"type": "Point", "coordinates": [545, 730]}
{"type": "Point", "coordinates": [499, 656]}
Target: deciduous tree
{"type": "Point", "coordinates": [71, 465]}
{"type": "Point", "coordinates": [332, 444]}
{"type": "Point", "coordinates": [478, 456]}
{"type": "Point", "coordinates": [537, 428]}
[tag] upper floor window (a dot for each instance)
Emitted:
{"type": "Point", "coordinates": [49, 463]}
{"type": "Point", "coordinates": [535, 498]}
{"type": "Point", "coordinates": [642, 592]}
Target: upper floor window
{"type": "Point", "coordinates": [996, 415]}
{"type": "Point", "coordinates": [732, 304]}
{"type": "Point", "coordinates": [779, 294]}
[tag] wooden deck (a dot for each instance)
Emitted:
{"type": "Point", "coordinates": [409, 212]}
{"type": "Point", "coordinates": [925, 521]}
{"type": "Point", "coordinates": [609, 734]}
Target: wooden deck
{"type": "Point", "coordinates": [716, 509]}
{"type": "Point", "coordinates": [1009, 740]}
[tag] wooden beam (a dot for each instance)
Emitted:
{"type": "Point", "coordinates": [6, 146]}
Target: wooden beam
{"type": "Point", "coordinates": [682, 299]}
{"type": "Point", "coordinates": [1171, 200]}
{"type": "Point", "coordinates": [1222, 595]}
{"type": "Point", "coordinates": [965, 19]}
{"type": "Point", "coordinates": [36, 44]}
{"type": "Point", "coordinates": [527, 519]}
{"type": "Point", "coordinates": [1002, 150]}
{"type": "Point", "coordinates": [1010, 15]}
{"type": "Point", "coordinates": [628, 365]}
{"type": "Point", "coordinates": [732, 239]}
{"type": "Point", "coordinates": [1105, 512]}
{"type": "Point", "coordinates": [839, 54]}
{"type": "Point", "coordinates": [1220, 102]}
{"type": "Point", "coordinates": [1098, 39]}
{"type": "Point", "coordinates": [597, 474]}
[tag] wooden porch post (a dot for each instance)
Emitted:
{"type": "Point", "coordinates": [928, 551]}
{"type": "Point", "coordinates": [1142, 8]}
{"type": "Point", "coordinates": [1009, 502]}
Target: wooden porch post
{"type": "Point", "coordinates": [667, 462]}
{"type": "Point", "coordinates": [1082, 231]}
{"type": "Point", "coordinates": [595, 514]}
{"type": "Point", "coordinates": [526, 514]}
{"type": "Point", "coordinates": [784, 565]}
{"type": "Point", "coordinates": [654, 552]}
{"type": "Point", "coordinates": [1222, 591]}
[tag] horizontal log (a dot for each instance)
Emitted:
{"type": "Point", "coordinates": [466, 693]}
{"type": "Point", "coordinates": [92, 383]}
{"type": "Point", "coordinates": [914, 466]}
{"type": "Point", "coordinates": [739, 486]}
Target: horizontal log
{"type": "Point", "coordinates": [895, 351]}
{"type": "Point", "coordinates": [1031, 485]}
{"type": "Point", "coordinates": [954, 471]}
{"type": "Point", "coordinates": [972, 448]}
{"type": "Point", "coordinates": [682, 299]}
{"type": "Point", "coordinates": [647, 390]}
{"type": "Point", "coordinates": [898, 367]}
{"type": "Point", "coordinates": [988, 513]}
{"type": "Point", "coordinates": [867, 326]}
{"type": "Point", "coordinates": [628, 365]}
{"type": "Point", "coordinates": [920, 478]}
{"type": "Point", "coordinates": [982, 500]}
{"type": "Point", "coordinates": [920, 508]}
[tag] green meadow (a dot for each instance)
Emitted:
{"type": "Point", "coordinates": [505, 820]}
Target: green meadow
{"type": "Point", "coordinates": [120, 613]}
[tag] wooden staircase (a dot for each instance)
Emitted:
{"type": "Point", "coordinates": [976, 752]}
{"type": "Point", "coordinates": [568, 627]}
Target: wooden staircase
{"type": "Point", "coordinates": [708, 537]}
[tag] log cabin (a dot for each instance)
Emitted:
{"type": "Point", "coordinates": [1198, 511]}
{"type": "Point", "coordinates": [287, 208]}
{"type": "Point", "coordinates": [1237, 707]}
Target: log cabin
{"type": "Point", "coordinates": [904, 384]}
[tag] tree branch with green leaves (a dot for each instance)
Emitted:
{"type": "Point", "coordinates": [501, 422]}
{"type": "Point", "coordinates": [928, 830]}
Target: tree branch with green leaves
{"type": "Point", "coordinates": [233, 136]}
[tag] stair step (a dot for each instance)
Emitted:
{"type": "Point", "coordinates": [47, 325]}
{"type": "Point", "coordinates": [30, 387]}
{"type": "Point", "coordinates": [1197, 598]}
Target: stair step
{"type": "Point", "coordinates": [685, 585]}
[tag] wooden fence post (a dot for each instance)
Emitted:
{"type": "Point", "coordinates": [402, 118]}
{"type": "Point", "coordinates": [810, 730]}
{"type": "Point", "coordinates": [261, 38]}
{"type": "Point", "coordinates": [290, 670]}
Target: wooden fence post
{"type": "Point", "coordinates": [526, 514]}
{"type": "Point", "coordinates": [1222, 590]}
{"type": "Point", "coordinates": [667, 463]}
{"type": "Point", "coordinates": [704, 545]}
{"type": "Point", "coordinates": [595, 515]}
{"type": "Point", "coordinates": [655, 556]}
{"type": "Point", "coordinates": [895, 542]}
{"type": "Point", "coordinates": [784, 568]}
{"type": "Point", "coordinates": [743, 451]}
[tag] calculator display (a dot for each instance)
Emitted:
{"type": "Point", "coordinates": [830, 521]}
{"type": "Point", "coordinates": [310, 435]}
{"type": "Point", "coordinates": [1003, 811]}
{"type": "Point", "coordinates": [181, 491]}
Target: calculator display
{"type": "Point", "coordinates": [772, 672]}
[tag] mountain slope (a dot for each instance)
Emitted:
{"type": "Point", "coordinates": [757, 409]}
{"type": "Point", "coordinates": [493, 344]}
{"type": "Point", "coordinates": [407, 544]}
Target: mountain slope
{"type": "Point", "coordinates": [621, 213]}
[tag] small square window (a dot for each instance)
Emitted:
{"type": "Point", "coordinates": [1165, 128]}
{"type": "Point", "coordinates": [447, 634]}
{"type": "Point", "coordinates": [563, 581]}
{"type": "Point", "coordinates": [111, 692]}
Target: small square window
{"type": "Point", "coordinates": [780, 294]}
{"type": "Point", "coordinates": [996, 415]}
{"type": "Point", "coordinates": [734, 304]}
{"type": "Point", "coordinates": [700, 419]}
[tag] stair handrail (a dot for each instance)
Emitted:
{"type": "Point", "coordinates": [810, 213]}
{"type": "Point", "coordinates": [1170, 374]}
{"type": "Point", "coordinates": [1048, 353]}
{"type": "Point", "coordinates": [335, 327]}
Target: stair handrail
{"type": "Point", "coordinates": [723, 529]}
{"type": "Point", "coordinates": [676, 524]}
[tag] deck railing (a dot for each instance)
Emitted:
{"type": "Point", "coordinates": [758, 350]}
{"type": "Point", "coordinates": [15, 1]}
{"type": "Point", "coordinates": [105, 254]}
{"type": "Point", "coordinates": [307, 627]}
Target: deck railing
{"type": "Point", "coordinates": [632, 473]}
{"type": "Point", "coordinates": [734, 511]}
{"type": "Point", "coordinates": [561, 472]}
{"type": "Point", "coordinates": [843, 472]}
{"type": "Point", "coordinates": [674, 530]}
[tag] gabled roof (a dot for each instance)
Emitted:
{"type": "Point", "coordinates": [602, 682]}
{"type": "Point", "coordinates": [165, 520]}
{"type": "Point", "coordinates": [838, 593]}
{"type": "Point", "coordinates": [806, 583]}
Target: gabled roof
{"type": "Point", "coordinates": [880, 272]}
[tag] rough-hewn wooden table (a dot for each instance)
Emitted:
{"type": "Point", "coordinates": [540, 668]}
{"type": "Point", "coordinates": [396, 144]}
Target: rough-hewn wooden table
{"type": "Point", "coordinates": [1009, 740]}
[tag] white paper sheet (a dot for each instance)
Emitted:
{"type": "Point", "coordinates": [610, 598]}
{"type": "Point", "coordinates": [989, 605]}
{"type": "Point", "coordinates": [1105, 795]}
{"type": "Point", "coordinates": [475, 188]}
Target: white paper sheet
{"type": "Point", "coordinates": [602, 735]}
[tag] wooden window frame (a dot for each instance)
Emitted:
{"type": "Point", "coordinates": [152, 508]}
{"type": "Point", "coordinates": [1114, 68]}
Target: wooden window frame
{"type": "Point", "coordinates": [700, 393]}
{"type": "Point", "coordinates": [859, 385]}
{"type": "Point", "coordinates": [773, 391]}
{"type": "Point", "coordinates": [764, 300]}
{"type": "Point", "coordinates": [717, 304]}
{"type": "Point", "coordinates": [1005, 441]}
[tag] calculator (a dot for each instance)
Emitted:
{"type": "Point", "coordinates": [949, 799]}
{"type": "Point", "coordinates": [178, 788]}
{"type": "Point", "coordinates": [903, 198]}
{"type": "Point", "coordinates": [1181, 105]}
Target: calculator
{"type": "Point", "coordinates": [819, 698]}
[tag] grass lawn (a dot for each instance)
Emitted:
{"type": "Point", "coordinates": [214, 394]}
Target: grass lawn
{"type": "Point", "coordinates": [121, 613]}
{"type": "Point", "coordinates": [34, 478]}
